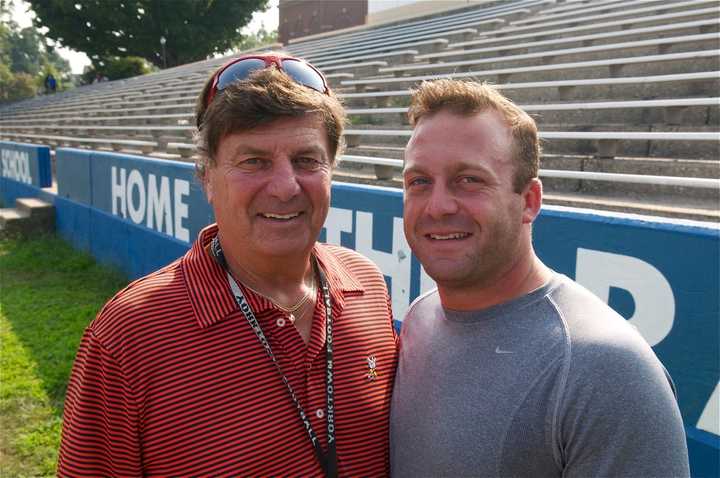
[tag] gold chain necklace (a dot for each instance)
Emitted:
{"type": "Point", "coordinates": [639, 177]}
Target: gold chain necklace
{"type": "Point", "coordinates": [294, 308]}
{"type": "Point", "coordinates": [293, 318]}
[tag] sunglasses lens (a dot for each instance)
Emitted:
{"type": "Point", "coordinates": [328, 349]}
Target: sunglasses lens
{"type": "Point", "coordinates": [239, 71]}
{"type": "Point", "coordinates": [304, 74]}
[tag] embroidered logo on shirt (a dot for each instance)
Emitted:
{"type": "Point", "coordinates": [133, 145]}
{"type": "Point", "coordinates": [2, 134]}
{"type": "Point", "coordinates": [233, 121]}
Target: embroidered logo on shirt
{"type": "Point", "coordinates": [372, 370]}
{"type": "Point", "coordinates": [498, 350]}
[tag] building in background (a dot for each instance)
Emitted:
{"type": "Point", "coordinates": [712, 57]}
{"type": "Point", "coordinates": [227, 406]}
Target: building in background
{"type": "Point", "coordinates": [300, 18]}
{"type": "Point", "coordinates": [388, 11]}
{"type": "Point", "coordinates": [305, 18]}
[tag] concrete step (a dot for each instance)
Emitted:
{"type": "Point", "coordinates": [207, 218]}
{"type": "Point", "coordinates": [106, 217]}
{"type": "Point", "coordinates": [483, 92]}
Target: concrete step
{"type": "Point", "coordinates": [375, 151]}
{"type": "Point", "coordinates": [586, 194]}
{"type": "Point", "coordinates": [641, 90]}
{"type": "Point", "coordinates": [10, 214]}
{"type": "Point", "coordinates": [10, 221]}
{"type": "Point", "coordinates": [709, 169]}
{"type": "Point", "coordinates": [583, 119]}
{"type": "Point", "coordinates": [709, 212]}
{"type": "Point", "coordinates": [35, 207]}
{"type": "Point", "coordinates": [681, 149]}
{"type": "Point", "coordinates": [699, 168]}
{"type": "Point", "coordinates": [30, 217]}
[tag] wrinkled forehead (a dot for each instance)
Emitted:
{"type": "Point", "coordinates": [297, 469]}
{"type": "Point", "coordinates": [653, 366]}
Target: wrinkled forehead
{"type": "Point", "coordinates": [290, 134]}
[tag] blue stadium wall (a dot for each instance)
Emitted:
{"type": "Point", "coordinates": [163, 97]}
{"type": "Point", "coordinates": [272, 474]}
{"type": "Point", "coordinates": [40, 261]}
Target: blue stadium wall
{"type": "Point", "coordinates": [663, 276]}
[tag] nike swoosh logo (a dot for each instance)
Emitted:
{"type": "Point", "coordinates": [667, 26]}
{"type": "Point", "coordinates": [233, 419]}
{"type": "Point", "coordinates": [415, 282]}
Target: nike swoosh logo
{"type": "Point", "coordinates": [498, 350]}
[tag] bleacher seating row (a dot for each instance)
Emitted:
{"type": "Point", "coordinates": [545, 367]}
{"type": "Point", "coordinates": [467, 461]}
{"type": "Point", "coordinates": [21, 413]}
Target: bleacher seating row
{"type": "Point", "coordinates": [625, 94]}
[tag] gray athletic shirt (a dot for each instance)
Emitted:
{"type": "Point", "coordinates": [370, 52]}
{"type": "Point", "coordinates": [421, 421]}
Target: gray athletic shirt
{"type": "Point", "coordinates": [554, 383]}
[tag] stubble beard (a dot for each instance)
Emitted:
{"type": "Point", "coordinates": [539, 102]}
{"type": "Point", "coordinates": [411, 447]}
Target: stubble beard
{"type": "Point", "coordinates": [482, 266]}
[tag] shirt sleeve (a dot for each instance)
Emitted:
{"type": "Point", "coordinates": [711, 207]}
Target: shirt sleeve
{"type": "Point", "coordinates": [100, 435]}
{"type": "Point", "coordinates": [620, 416]}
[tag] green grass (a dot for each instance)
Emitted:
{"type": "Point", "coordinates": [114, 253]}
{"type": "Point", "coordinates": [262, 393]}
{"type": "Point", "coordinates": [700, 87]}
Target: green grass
{"type": "Point", "coordinates": [48, 294]}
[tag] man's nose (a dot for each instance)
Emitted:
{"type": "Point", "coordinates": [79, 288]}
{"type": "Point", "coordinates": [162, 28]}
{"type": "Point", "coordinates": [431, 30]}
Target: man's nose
{"type": "Point", "coordinates": [442, 202]}
{"type": "Point", "coordinates": [283, 182]}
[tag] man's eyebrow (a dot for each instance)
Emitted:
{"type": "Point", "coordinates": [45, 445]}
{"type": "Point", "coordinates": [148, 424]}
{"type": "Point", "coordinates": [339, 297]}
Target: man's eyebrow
{"type": "Point", "coordinates": [312, 149]}
{"type": "Point", "coordinates": [412, 169]}
{"type": "Point", "coordinates": [473, 167]}
{"type": "Point", "coordinates": [245, 149]}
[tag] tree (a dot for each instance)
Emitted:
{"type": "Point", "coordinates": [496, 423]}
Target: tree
{"type": "Point", "coordinates": [28, 53]}
{"type": "Point", "coordinates": [260, 38]}
{"type": "Point", "coordinates": [4, 44]}
{"type": "Point", "coordinates": [117, 69]}
{"type": "Point", "coordinates": [25, 60]}
{"type": "Point", "coordinates": [193, 29]}
{"type": "Point", "coordinates": [15, 86]}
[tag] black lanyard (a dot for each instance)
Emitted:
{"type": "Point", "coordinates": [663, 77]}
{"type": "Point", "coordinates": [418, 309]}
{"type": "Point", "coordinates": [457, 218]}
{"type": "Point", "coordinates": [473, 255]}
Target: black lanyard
{"type": "Point", "coordinates": [328, 460]}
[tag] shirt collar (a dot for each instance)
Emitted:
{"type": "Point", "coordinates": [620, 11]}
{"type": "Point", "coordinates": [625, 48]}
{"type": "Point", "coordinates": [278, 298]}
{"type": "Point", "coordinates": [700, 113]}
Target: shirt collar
{"type": "Point", "coordinates": [209, 292]}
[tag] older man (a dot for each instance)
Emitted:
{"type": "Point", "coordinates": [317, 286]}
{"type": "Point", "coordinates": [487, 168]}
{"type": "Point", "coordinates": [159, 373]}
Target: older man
{"type": "Point", "coordinates": [260, 352]}
{"type": "Point", "coordinates": [508, 368]}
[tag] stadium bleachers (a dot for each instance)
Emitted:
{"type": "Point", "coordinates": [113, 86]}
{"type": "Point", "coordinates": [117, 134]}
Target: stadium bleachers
{"type": "Point", "coordinates": [625, 94]}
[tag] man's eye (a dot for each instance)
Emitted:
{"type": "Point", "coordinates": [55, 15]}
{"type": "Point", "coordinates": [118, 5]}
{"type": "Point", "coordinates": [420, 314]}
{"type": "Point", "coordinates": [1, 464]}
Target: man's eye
{"type": "Point", "coordinates": [417, 182]}
{"type": "Point", "coordinates": [251, 163]}
{"type": "Point", "coordinates": [307, 162]}
{"type": "Point", "coordinates": [469, 180]}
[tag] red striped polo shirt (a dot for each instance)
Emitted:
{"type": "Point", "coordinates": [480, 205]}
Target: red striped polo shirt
{"type": "Point", "coordinates": [170, 380]}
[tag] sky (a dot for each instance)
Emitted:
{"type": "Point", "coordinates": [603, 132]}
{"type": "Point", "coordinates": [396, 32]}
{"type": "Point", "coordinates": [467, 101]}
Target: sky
{"type": "Point", "coordinates": [78, 60]}
{"type": "Point", "coordinates": [378, 5]}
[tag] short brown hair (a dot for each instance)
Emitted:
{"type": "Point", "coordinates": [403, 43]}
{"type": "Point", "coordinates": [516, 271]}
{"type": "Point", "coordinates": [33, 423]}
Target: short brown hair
{"type": "Point", "coordinates": [468, 98]}
{"type": "Point", "coordinates": [267, 95]}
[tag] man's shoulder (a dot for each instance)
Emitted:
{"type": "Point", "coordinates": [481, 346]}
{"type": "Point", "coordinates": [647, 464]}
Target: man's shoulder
{"type": "Point", "coordinates": [599, 337]}
{"type": "Point", "coordinates": [429, 298]}
{"type": "Point", "coordinates": [613, 394]}
{"type": "Point", "coordinates": [582, 310]}
{"type": "Point", "coordinates": [351, 261]}
{"type": "Point", "coordinates": [345, 254]}
{"type": "Point", "coordinates": [138, 301]}
{"type": "Point", "coordinates": [422, 306]}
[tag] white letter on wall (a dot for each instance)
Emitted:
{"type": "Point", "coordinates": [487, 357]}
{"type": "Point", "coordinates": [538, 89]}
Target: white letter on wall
{"type": "Point", "coordinates": [653, 296]}
{"type": "Point", "coordinates": [395, 264]}
{"type": "Point", "coordinates": [338, 220]}
{"type": "Point", "coordinates": [135, 180]}
{"type": "Point", "coordinates": [118, 191]}
{"type": "Point", "coordinates": [182, 188]}
{"type": "Point", "coordinates": [159, 205]}
{"type": "Point", "coordinates": [710, 418]}
{"type": "Point", "coordinates": [26, 169]}
{"type": "Point", "coordinates": [5, 158]}
{"type": "Point", "coordinates": [23, 167]}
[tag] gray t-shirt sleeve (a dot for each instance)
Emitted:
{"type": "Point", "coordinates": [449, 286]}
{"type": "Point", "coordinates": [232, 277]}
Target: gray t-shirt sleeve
{"type": "Point", "coordinates": [617, 412]}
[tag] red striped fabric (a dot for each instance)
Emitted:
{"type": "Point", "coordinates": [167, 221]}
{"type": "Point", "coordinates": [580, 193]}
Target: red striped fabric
{"type": "Point", "coordinates": [171, 381]}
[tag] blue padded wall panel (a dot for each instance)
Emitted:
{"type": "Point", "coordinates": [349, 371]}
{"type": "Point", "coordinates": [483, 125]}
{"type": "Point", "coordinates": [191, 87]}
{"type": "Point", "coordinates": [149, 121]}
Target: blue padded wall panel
{"type": "Point", "coordinates": [73, 174]}
{"type": "Point", "coordinates": [72, 222]}
{"type": "Point", "coordinates": [25, 163]}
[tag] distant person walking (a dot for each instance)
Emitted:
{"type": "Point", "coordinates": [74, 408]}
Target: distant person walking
{"type": "Point", "coordinates": [50, 84]}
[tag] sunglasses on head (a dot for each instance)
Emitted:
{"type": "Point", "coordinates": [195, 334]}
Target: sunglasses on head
{"type": "Point", "coordinates": [238, 69]}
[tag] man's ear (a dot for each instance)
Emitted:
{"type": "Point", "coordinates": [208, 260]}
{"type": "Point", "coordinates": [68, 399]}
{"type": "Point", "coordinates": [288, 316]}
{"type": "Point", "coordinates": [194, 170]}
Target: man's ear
{"type": "Point", "coordinates": [532, 199]}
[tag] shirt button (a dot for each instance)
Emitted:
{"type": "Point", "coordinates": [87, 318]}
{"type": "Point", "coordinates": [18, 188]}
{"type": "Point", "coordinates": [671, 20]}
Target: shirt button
{"type": "Point", "coordinates": [280, 322]}
{"type": "Point", "coordinates": [319, 413]}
